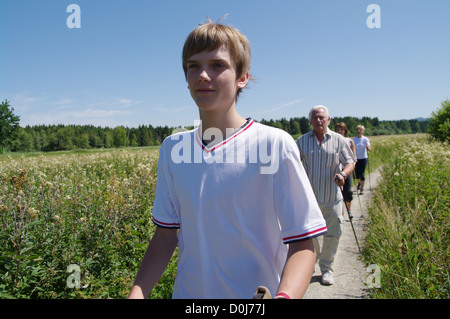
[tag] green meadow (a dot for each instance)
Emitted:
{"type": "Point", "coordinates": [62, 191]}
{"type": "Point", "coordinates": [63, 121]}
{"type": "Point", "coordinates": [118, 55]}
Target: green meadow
{"type": "Point", "coordinates": [76, 224]}
{"type": "Point", "coordinates": [409, 218]}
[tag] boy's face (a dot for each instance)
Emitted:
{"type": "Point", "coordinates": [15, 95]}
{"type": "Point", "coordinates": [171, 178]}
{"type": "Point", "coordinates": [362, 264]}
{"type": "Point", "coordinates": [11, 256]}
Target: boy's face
{"type": "Point", "coordinates": [212, 79]}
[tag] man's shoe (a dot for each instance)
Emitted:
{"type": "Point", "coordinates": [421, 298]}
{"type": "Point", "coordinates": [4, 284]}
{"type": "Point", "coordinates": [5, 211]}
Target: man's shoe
{"type": "Point", "coordinates": [327, 278]}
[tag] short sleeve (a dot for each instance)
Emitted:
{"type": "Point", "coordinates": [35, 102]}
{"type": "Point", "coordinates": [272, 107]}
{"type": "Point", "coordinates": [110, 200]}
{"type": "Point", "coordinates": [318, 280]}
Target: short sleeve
{"type": "Point", "coordinates": [165, 206]}
{"type": "Point", "coordinates": [295, 203]}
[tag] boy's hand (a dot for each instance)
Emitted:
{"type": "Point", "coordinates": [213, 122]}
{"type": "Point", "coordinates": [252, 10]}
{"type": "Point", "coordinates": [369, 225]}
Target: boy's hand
{"type": "Point", "coordinates": [262, 293]}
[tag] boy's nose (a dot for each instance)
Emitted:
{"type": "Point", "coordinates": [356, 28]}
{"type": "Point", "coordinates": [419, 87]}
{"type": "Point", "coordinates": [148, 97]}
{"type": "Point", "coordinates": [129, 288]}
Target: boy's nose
{"type": "Point", "coordinates": [203, 76]}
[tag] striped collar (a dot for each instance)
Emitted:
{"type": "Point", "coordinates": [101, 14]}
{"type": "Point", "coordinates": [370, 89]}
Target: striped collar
{"type": "Point", "coordinates": [238, 132]}
{"type": "Point", "coordinates": [327, 133]}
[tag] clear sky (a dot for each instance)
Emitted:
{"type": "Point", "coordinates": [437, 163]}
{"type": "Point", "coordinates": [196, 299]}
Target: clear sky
{"type": "Point", "coordinates": [123, 65]}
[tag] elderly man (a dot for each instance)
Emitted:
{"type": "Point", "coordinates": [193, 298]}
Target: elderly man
{"type": "Point", "coordinates": [322, 153]}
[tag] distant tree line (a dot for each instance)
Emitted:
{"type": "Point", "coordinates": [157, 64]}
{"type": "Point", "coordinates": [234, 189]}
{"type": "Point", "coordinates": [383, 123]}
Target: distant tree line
{"type": "Point", "coordinates": [49, 138]}
{"type": "Point", "coordinates": [297, 126]}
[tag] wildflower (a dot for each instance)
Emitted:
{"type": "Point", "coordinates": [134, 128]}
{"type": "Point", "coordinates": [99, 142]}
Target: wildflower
{"type": "Point", "coordinates": [84, 220]}
{"type": "Point", "coordinates": [47, 184]}
{"type": "Point", "coordinates": [20, 180]}
{"type": "Point", "coordinates": [3, 208]}
{"type": "Point", "coordinates": [33, 213]}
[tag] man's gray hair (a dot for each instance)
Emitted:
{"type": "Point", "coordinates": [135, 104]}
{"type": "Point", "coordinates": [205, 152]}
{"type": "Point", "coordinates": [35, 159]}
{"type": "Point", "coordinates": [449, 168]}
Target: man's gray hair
{"type": "Point", "coordinates": [319, 107]}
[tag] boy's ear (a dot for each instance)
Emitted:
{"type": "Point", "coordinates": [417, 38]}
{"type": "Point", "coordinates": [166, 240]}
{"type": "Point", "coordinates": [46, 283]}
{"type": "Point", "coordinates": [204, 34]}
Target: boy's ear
{"type": "Point", "coordinates": [243, 80]}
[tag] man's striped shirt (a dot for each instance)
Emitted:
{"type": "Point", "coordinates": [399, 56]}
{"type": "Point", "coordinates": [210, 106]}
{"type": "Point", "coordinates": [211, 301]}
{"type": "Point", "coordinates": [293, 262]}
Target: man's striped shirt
{"type": "Point", "coordinates": [322, 162]}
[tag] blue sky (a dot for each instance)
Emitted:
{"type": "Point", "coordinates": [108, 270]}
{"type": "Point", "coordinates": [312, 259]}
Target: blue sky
{"type": "Point", "coordinates": [123, 66]}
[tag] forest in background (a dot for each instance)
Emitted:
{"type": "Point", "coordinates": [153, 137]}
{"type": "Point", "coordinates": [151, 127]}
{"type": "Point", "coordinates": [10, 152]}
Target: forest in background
{"type": "Point", "coordinates": [48, 138]}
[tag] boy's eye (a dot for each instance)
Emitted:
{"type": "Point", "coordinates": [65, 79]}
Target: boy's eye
{"type": "Point", "coordinates": [219, 64]}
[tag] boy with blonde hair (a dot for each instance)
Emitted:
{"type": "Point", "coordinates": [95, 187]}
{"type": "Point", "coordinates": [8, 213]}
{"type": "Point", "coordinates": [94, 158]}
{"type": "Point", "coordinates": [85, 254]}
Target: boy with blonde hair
{"type": "Point", "coordinates": [240, 217]}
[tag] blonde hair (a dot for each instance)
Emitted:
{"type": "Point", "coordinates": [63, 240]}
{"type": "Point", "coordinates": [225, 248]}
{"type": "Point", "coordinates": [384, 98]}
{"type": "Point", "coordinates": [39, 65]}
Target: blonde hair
{"type": "Point", "coordinates": [361, 127]}
{"type": "Point", "coordinates": [211, 36]}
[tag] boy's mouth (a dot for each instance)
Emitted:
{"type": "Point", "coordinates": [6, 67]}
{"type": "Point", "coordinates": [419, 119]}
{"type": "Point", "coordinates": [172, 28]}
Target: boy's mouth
{"type": "Point", "coordinates": [204, 90]}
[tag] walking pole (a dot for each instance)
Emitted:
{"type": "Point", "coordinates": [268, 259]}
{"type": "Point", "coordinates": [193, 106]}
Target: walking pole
{"type": "Point", "coordinates": [357, 193]}
{"type": "Point", "coordinates": [350, 217]}
{"type": "Point", "coordinates": [368, 167]}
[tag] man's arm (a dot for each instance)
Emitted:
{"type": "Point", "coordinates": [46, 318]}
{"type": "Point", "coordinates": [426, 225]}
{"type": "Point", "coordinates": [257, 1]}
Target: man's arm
{"type": "Point", "coordinates": [298, 269]}
{"type": "Point", "coordinates": [155, 261]}
{"type": "Point", "coordinates": [349, 168]}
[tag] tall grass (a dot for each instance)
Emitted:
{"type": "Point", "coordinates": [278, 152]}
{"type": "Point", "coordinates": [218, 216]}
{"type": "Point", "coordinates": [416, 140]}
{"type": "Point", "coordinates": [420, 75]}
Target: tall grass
{"type": "Point", "coordinates": [90, 210]}
{"type": "Point", "coordinates": [409, 220]}
{"type": "Point", "coordinates": [93, 210]}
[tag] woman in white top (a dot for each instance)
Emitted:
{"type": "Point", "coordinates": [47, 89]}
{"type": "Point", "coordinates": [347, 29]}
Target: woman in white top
{"type": "Point", "coordinates": [362, 145]}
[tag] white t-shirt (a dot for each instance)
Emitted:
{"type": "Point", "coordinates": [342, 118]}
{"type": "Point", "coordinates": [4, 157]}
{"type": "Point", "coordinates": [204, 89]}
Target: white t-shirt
{"type": "Point", "coordinates": [360, 146]}
{"type": "Point", "coordinates": [236, 205]}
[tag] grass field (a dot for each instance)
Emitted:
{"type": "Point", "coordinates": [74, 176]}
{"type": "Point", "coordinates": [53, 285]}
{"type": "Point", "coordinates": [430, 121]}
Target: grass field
{"type": "Point", "coordinates": [76, 224]}
{"type": "Point", "coordinates": [89, 211]}
{"type": "Point", "coordinates": [409, 220]}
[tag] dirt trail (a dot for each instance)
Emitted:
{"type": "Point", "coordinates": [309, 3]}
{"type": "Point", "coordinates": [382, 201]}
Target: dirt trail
{"type": "Point", "coordinates": [350, 273]}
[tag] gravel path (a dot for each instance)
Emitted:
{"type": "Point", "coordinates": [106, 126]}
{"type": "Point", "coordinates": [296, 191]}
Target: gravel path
{"type": "Point", "coordinates": [350, 273]}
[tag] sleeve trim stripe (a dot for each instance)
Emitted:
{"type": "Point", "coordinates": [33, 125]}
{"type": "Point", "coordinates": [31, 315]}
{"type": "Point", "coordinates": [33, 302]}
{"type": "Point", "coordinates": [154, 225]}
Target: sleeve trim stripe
{"type": "Point", "coordinates": [170, 225]}
{"type": "Point", "coordinates": [311, 234]}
